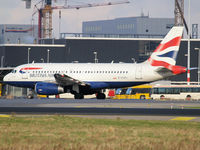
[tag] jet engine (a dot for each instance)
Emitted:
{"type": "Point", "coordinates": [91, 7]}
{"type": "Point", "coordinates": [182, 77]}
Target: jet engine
{"type": "Point", "coordinates": [44, 88]}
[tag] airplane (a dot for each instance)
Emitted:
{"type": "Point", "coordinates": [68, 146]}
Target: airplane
{"type": "Point", "coordinates": [93, 78]}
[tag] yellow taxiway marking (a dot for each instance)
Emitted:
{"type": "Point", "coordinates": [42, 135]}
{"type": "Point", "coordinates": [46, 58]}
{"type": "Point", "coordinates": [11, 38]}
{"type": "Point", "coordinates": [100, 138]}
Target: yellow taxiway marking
{"type": "Point", "coordinates": [184, 118]}
{"type": "Point", "coordinates": [5, 116]}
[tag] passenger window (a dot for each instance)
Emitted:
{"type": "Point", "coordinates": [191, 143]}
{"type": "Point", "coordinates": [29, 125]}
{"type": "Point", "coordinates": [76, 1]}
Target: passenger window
{"type": "Point", "coordinates": [161, 90]}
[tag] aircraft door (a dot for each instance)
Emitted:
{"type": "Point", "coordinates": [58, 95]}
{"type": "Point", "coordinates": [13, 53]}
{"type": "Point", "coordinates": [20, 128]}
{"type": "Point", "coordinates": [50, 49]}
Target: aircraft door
{"type": "Point", "coordinates": [138, 73]}
{"type": "Point", "coordinates": [25, 75]}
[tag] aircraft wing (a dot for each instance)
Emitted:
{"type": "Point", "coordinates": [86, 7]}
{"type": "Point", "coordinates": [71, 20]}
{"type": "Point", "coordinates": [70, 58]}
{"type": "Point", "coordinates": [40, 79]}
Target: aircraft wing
{"type": "Point", "coordinates": [66, 80]}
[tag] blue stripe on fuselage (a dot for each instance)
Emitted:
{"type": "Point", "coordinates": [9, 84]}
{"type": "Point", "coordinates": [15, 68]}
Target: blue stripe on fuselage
{"type": "Point", "coordinates": [99, 85]}
{"type": "Point", "coordinates": [93, 85]}
{"type": "Point", "coordinates": [21, 84]}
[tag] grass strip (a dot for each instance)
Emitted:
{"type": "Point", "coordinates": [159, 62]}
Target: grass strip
{"type": "Point", "coordinates": [72, 133]}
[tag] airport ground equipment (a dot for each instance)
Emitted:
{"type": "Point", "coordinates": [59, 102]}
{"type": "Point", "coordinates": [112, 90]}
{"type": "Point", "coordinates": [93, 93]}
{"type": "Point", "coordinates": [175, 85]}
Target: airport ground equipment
{"type": "Point", "coordinates": [136, 92]}
{"type": "Point", "coordinates": [176, 92]}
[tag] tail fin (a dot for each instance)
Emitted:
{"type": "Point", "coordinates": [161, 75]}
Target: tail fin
{"type": "Point", "coordinates": [166, 53]}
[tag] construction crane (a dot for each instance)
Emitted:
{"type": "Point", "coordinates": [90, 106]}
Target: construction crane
{"type": "Point", "coordinates": [45, 14]}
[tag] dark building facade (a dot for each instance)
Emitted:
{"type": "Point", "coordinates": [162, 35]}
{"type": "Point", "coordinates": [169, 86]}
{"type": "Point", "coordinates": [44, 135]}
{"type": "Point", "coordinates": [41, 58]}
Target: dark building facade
{"type": "Point", "coordinates": [82, 50]}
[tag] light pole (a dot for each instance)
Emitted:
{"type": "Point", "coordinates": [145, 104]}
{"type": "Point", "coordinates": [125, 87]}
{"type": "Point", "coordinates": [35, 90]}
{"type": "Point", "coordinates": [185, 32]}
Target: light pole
{"type": "Point", "coordinates": [48, 51]}
{"type": "Point", "coordinates": [29, 54]}
{"type": "Point", "coordinates": [42, 60]}
{"type": "Point", "coordinates": [188, 59]}
{"type": "Point", "coordinates": [197, 49]}
{"type": "Point", "coordinates": [95, 57]}
{"type": "Point", "coordinates": [2, 58]}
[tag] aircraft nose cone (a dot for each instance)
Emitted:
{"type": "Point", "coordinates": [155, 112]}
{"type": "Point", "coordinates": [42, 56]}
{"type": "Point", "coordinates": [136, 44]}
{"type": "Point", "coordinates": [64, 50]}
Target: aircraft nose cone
{"type": "Point", "coordinates": [6, 78]}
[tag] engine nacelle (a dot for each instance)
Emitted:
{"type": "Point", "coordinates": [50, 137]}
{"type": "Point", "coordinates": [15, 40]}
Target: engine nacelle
{"type": "Point", "coordinates": [43, 88]}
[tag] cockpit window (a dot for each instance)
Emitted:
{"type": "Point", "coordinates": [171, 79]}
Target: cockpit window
{"type": "Point", "coordinates": [14, 71]}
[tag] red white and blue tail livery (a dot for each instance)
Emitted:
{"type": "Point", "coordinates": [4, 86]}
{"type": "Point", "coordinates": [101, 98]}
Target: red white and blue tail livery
{"type": "Point", "coordinates": [86, 78]}
{"type": "Point", "coordinates": [166, 53]}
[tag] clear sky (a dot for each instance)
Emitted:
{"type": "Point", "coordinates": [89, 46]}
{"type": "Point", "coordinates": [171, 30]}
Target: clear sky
{"type": "Point", "coordinates": [14, 12]}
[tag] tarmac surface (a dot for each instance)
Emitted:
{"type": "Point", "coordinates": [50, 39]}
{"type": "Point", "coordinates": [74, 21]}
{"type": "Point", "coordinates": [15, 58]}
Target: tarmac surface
{"type": "Point", "coordinates": [111, 109]}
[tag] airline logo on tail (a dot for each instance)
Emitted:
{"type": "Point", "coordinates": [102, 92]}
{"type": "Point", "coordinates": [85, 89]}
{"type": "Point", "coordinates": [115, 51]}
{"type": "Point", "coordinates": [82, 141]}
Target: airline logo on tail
{"type": "Point", "coordinates": [166, 53]}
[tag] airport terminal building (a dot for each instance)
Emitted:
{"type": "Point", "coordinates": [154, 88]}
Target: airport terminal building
{"type": "Point", "coordinates": [127, 50]}
{"type": "Point", "coordinates": [81, 50]}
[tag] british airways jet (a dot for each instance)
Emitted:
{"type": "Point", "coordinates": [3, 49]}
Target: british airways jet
{"type": "Point", "coordinates": [92, 78]}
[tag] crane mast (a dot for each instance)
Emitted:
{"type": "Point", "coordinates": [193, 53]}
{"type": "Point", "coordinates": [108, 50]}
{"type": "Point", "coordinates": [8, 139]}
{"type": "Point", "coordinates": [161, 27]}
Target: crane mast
{"type": "Point", "coordinates": [179, 12]}
{"type": "Point", "coordinates": [46, 21]}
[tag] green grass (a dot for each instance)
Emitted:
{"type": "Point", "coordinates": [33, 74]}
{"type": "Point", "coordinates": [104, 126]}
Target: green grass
{"type": "Point", "coordinates": [73, 133]}
{"type": "Point", "coordinates": [192, 107]}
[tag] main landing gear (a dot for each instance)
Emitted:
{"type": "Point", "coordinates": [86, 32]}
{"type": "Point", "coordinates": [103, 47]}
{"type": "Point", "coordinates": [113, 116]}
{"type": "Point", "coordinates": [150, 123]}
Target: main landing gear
{"type": "Point", "coordinates": [100, 96]}
{"type": "Point", "coordinates": [78, 96]}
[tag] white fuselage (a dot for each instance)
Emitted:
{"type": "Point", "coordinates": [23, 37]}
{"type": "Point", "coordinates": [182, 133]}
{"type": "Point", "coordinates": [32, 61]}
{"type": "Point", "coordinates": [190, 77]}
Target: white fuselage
{"type": "Point", "coordinates": [128, 74]}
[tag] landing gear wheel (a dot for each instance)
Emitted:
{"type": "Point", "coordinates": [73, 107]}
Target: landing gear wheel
{"type": "Point", "coordinates": [101, 96]}
{"type": "Point", "coordinates": [30, 93]}
{"type": "Point", "coordinates": [78, 96]}
{"type": "Point", "coordinates": [142, 97]}
{"type": "Point", "coordinates": [30, 96]}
